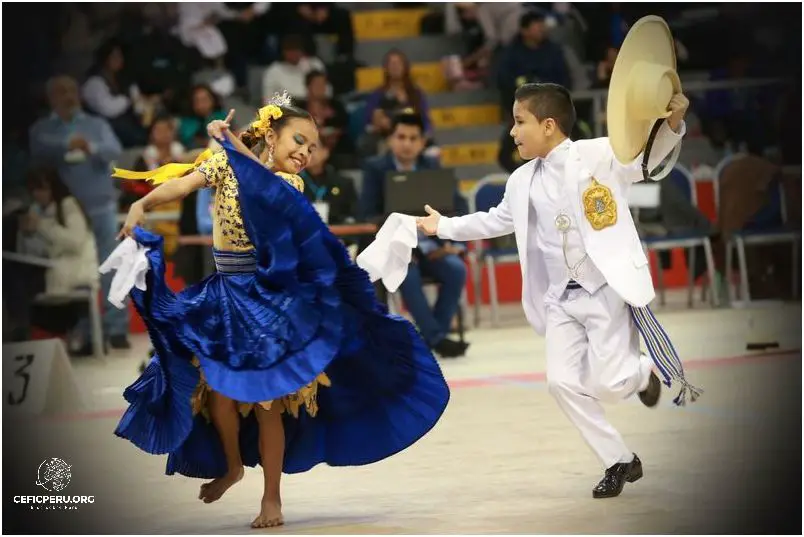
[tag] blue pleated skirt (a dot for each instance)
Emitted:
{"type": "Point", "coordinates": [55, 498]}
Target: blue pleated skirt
{"type": "Point", "coordinates": [294, 321]}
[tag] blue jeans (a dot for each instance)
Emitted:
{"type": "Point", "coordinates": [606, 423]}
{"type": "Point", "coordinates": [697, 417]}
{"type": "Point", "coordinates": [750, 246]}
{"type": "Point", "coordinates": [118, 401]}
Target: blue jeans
{"type": "Point", "coordinates": [103, 221]}
{"type": "Point", "coordinates": [450, 272]}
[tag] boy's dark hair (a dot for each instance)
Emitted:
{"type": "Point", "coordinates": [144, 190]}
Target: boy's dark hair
{"type": "Point", "coordinates": [547, 100]}
{"type": "Point", "coordinates": [407, 117]}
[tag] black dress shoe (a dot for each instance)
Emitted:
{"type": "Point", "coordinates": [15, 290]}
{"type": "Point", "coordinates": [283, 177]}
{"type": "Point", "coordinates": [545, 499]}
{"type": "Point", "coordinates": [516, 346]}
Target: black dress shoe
{"type": "Point", "coordinates": [650, 396]}
{"type": "Point", "coordinates": [616, 477]}
{"type": "Point", "coordinates": [449, 348]}
{"type": "Point", "coordinates": [119, 342]}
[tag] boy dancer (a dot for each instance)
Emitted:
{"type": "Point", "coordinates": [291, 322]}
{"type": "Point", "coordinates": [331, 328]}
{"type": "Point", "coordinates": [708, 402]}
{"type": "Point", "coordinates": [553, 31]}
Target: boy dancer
{"type": "Point", "coordinates": [586, 279]}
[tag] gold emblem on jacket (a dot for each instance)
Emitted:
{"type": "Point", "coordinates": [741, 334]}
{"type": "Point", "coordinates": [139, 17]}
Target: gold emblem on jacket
{"type": "Point", "coordinates": [599, 206]}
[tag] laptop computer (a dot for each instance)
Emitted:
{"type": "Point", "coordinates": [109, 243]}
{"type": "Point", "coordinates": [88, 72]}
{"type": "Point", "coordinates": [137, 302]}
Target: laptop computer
{"type": "Point", "coordinates": [409, 192]}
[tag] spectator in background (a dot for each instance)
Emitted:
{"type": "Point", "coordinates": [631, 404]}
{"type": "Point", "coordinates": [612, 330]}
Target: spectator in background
{"type": "Point", "coordinates": [163, 65]}
{"type": "Point", "coordinates": [55, 227]}
{"type": "Point", "coordinates": [604, 69]}
{"type": "Point", "coordinates": [433, 257]}
{"type": "Point", "coordinates": [309, 19]}
{"type": "Point", "coordinates": [82, 147]}
{"type": "Point", "coordinates": [78, 34]}
{"type": "Point", "coordinates": [244, 30]}
{"type": "Point", "coordinates": [398, 92]}
{"type": "Point", "coordinates": [568, 28]}
{"type": "Point", "coordinates": [205, 107]}
{"type": "Point", "coordinates": [323, 185]}
{"type": "Point", "coordinates": [110, 93]}
{"type": "Point", "coordinates": [734, 118]}
{"type": "Point", "coordinates": [331, 117]}
{"type": "Point", "coordinates": [162, 148]}
{"type": "Point", "coordinates": [198, 29]}
{"type": "Point", "coordinates": [290, 71]}
{"type": "Point", "coordinates": [531, 57]}
{"type": "Point", "coordinates": [484, 26]}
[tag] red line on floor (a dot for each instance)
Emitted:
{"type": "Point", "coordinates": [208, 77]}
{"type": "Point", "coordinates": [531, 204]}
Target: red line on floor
{"type": "Point", "coordinates": [699, 363]}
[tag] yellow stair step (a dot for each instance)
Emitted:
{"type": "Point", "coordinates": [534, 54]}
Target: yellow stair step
{"type": "Point", "coordinates": [428, 76]}
{"type": "Point", "coordinates": [470, 154]}
{"type": "Point", "coordinates": [472, 115]}
{"type": "Point", "coordinates": [387, 24]}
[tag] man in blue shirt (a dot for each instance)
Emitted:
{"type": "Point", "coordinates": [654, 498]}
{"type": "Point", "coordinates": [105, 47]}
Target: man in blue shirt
{"type": "Point", "coordinates": [82, 148]}
{"type": "Point", "coordinates": [433, 258]}
{"type": "Point", "coordinates": [530, 57]}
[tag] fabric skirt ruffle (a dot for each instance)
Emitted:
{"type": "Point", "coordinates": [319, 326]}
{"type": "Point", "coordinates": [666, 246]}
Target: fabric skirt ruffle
{"type": "Point", "coordinates": [294, 323]}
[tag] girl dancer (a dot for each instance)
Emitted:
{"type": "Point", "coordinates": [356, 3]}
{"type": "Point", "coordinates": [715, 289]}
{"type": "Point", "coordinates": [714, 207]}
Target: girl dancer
{"type": "Point", "coordinates": [283, 356]}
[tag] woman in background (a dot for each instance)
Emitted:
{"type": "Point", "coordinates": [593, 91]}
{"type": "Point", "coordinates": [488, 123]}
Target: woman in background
{"type": "Point", "coordinates": [110, 93]}
{"type": "Point", "coordinates": [205, 106]}
{"type": "Point", "coordinates": [55, 228]}
{"type": "Point", "coordinates": [397, 92]}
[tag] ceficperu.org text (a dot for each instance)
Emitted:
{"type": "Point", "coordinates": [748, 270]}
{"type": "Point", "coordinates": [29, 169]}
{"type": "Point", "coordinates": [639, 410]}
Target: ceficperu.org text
{"type": "Point", "coordinates": [54, 499]}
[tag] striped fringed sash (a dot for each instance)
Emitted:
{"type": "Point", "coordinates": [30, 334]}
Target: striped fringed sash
{"type": "Point", "coordinates": [663, 354]}
{"type": "Point", "coordinates": [235, 262]}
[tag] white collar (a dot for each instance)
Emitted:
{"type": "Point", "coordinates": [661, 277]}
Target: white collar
{"type": "Point", "coordinates": [558, 155]}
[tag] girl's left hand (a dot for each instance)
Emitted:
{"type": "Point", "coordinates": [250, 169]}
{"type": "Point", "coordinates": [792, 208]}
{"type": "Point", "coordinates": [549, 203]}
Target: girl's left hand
{"type": "Point", "coordinates": [217, 128]}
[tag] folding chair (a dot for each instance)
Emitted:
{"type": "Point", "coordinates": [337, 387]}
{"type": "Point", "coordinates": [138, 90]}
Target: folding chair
{"type": "Point", "coordinates": [488, 193]}
{"type": "Point", "coordinates": [682, 178]}
{"type": "Point", "coordinates": [768, 226]}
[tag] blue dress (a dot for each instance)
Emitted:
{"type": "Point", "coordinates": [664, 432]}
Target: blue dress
{"type": "Point", "coordinates": [266, 325]}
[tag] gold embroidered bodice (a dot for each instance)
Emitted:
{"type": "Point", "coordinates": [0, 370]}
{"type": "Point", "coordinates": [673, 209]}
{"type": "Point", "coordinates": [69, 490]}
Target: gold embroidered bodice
{"type": "Point", "coordinates": [228, 232]}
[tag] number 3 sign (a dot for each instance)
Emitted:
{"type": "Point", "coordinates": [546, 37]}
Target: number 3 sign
{"type": "Point", "coordinates": [38, 378]}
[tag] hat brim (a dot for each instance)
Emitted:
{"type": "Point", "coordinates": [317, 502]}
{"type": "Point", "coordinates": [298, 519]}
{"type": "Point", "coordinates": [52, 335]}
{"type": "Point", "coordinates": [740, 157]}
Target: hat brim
{"type": "Point", "coordinates": [648, 40]}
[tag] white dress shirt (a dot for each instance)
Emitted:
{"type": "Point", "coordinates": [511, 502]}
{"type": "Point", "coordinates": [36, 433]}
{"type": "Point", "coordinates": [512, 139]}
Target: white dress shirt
{"type": "Point", "coordinates": [550, 198]}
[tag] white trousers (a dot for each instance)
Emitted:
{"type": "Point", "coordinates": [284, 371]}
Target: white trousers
{"type": "Point", "coordinates": [593, 356]}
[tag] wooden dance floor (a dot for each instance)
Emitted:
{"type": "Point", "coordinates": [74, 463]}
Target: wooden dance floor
{"type": "Point", "coordinates": [504, 459]}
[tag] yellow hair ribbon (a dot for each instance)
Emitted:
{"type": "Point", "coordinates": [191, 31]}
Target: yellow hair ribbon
{"type": "Point", "coordinates": [266, 115]}
{"type": "Point", "coordinates": [164, 173]}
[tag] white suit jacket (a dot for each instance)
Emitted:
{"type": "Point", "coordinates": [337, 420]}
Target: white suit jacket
{"type": "Point", "coordinates": [616, 250]}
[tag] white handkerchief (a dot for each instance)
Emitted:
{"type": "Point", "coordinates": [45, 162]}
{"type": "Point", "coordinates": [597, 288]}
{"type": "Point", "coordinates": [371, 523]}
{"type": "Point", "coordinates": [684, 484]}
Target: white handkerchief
{"type": "Point", "coordinates": [130, 264]}
{"type": "Point", "coordinates": [389, 255]}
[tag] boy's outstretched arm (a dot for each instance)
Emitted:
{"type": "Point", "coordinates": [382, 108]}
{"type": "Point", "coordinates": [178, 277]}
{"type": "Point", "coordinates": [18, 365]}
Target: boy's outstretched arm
{"type": "Point", "coordinates": [476, 226]}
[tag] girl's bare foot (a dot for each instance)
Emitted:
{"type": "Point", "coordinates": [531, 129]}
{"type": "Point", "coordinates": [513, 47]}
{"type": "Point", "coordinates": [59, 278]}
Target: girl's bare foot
{"type": "Point", "coordinates": [213, 490]}
{"type": "Point", "coordinates": [270, 514]}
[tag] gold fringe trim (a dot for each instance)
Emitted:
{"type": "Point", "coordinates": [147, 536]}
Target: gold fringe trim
{"type": "Point", "coordinates": [306, 397]}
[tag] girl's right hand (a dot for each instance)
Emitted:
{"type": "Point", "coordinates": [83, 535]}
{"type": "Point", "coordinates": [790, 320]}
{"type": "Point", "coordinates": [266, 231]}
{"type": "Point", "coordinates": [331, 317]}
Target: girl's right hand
{"type": "Point", "coordinates": [135, 216]}
{"type": "Point", "coordinates": [216, 128]}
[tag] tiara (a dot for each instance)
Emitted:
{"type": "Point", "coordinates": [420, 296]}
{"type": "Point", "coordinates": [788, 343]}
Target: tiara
{"type": "Point", "coordinates": [280, 99]}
